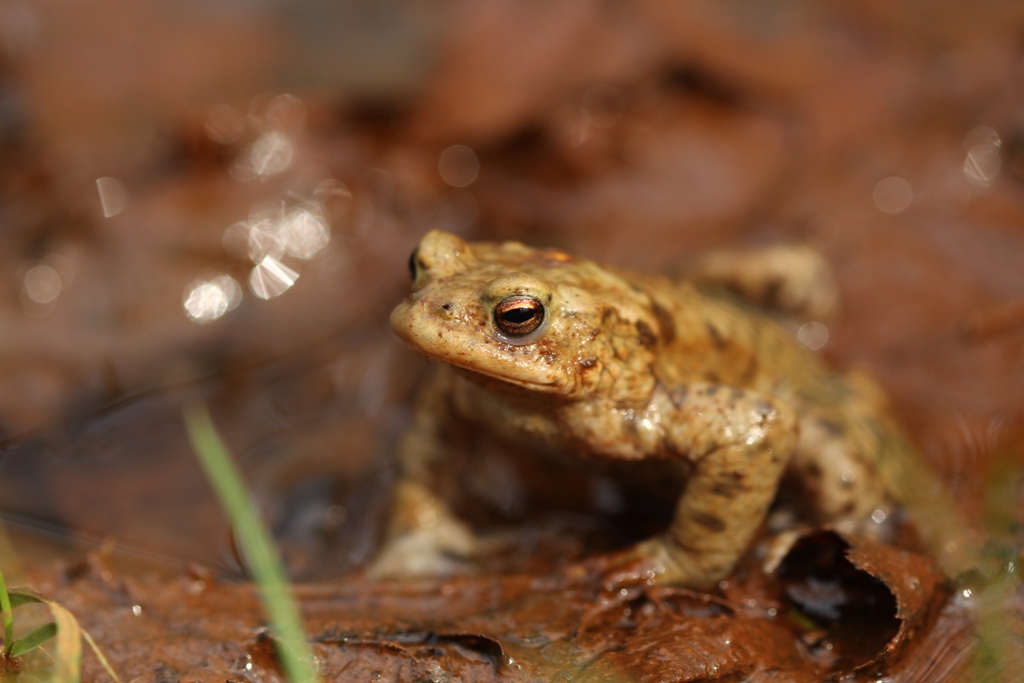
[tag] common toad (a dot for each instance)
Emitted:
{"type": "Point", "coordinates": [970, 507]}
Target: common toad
{"type": "Point", "coordinates": [560, 354]}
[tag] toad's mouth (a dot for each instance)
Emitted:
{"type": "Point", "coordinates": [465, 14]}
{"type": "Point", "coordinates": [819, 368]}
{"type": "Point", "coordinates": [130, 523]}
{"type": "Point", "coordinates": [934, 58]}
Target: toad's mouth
{"type": "Point", "coordinates": [483, 360]}
{"type": "Point", "coordinates": [494, 379]}
{"type": "Point", "coordinates": [488, 372]}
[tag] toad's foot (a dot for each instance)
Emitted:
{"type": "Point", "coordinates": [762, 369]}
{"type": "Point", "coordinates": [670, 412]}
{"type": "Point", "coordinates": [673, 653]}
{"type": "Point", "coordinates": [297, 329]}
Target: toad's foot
{"type": "Point", "coordinates": [652, 562]}
{"type": "Point", "coordinates": [423, 538]}
{"type": "Point", "coordinates": [422, 553]}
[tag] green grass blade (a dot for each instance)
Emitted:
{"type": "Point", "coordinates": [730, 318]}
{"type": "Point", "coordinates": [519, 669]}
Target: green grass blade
{"type": "Point", "coordinates": [8, 617]}
{"type": "Point", "coordinates": [282, 611]}
{"type": "Point", "coordinates": [68, 657]}
{"type": "Point", "coordinates": [99, 655]}
{"type": "Point", "coordinates": [19, 598]}
{"type": "Point", "coordinates": [33, 639]}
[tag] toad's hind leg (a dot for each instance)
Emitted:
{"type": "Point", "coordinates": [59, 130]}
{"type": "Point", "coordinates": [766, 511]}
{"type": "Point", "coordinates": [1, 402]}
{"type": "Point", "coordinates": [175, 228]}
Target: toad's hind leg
{"type": "Point", "coordinates": [739, 444]}
{"type": "Point", "coordinates": [835, 465]}
{"type": "Point", "coordinates": [793, 279]}
{"type": "Point", "coordinates": [838, 459]}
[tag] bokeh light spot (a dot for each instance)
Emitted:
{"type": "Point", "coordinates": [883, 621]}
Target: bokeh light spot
{"type": "Point", "coordinates": [286, 112]}
{"type": "Point", "coordinates": [265, 240]}
{"type": "Point", "coordinates": [271, 154]}
{"type": "Point", "coordinates": [892, 194]}
{"type": "Point", "coordinates": [982, 163]}
{"type": "Point", "coordinates": [232, 290]}
{"type": "Point", "coordinates": [271, 278]}
{"type": "Point", "coordinates": [205, 302]}
{"type": "Point", "coordinates": [113, 196]}
{"type": "Point", "coordinates": [42, 284]}
{"type": "Point", "coordinates": [458, 166]}
{"type": "Point", "coordinates": [304, 231]}
{"type": "Point", "coordinates": [813, 335]}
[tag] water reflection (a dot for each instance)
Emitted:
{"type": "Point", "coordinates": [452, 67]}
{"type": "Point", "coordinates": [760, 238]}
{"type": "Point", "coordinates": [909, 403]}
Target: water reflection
{"type": "Point", "coordinates": [273, 231]}
{"type": "Point", "coordinates": [315, 183]}
{"type": "Point", "coordinates": [232, 290]}
{"type": "Point", "coordinates": [296, 227]}
{"type": "Point", "coordinates": [271, 278]}
{"type": "Point", "coordinates": [207, 301]}
{"type": "Point", "coordinates": [264, 238]}
{"type": "Point", "coordinates": [271, 154]}
{"type": "Point", "coordinates": [304, 230]}
{"type": "Point", "coordinates": [983, 163]}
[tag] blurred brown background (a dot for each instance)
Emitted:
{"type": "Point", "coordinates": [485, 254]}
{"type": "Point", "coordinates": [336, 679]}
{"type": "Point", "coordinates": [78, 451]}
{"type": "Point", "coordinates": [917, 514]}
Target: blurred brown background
{"type": "Point", "coordinates": [218, 199]}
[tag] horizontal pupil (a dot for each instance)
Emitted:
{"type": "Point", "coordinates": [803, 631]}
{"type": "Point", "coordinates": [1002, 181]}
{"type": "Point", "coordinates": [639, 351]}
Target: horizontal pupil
{"type": "Point", "coordinates": [519, 315]}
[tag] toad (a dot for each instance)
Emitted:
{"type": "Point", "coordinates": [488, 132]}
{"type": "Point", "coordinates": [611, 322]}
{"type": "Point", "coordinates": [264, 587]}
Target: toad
{"type": "Point", "coordinates": [571, 358]}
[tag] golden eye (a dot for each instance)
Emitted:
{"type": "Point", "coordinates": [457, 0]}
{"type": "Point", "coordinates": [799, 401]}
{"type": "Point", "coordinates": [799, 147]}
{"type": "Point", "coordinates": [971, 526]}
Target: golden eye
{"type": "Point", "coordinates": [518, 315]}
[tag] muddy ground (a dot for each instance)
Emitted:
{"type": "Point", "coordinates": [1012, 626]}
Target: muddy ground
{"type": "Point", "coordinates": [143, 144]}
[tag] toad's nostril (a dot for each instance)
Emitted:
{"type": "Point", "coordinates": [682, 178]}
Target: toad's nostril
{"type": "Point", "coordinates": [447, 306]}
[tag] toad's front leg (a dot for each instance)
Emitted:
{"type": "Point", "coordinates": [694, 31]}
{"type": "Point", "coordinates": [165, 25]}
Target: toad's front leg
{"type": "Point", "coordinates": [739, 443]}
{"type": "Point", "coordinates": [423, 536]}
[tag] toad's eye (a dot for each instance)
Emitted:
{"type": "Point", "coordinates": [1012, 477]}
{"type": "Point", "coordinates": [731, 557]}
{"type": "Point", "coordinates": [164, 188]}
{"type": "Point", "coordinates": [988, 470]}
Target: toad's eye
{"type": "Point", "coordinates": [518, 315]}
{"type": "Point", "coordinates": [412, 263]}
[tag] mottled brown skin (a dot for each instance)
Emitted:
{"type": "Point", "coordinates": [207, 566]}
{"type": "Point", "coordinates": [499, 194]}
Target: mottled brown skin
{"type": "Point", "coordinates": [624, 368]}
